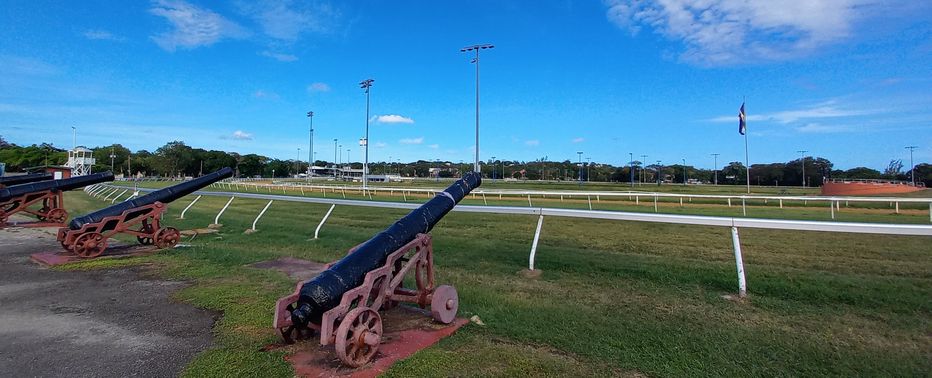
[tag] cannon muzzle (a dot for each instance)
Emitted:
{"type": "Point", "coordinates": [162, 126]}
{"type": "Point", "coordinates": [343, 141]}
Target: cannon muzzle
{"type": "Point", "coordinates": [166, 195]}
{"type": "Point", "coordinates": [325, 291]}
{"type": "Point", "coordinates": [56, 185]}
{"type": "Point", "coordinates": [24, 179]}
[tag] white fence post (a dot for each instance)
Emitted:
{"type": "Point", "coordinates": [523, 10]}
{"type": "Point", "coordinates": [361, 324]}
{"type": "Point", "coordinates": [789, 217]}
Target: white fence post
{"type": "Point", "coordinates": [529, 201]}
{"type": "Point", "coordinates": [261, 213]}
{"type": "Point", "coordinates": [317, 231]}
{"type": "Point", "coordinates": [832, 206]}
{"type": "Point", "coordinates": [540, 223]}
{"type": "Point", "coordinates": [655, 204]}
{"type": "Point", "coordinates": [119, 195]}
{"type": "Point", "coordinates": [188, 207]}
{"type": "Point", "coordinates": [483, 200]}
{"type": "Point", "coordinates": [739, 262]}
{"type": "Point", "coordinates": [217, 219]}
{"type": "Point", "coordinates": [897, 206]}
{"type": "Point", "coordinates": [589, 198]}
{"type": "Point", "coordinates": [744, 208]}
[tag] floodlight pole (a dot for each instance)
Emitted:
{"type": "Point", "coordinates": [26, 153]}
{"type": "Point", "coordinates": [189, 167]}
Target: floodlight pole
{"type": "Point", "coordinates": [475, 60]}
{"type": "Point", "coordinates": [802, 155]}
{"type": "Point", "coordinates": [685, 173]}
{"type": "Point", "coordinates": [310, 146]}
{"type": "Point", "coordinates": [630, 168]}
{"type": "Point", "coordinates": [335, 158]}
{"type": "Point", "coordinates": [580, 166]}
{"type": "Point", "coordinates": [493, 168]}
{"type": "Point", "coordinates": [641, 171]}
{"type": "Point", "coordinates": [912, 168]}
{"type": "Point", "coordinates": [588, 169]}
{"type": "Point", "coordinates": [715, 166]}
{"type": "Point", "coordinates": [112, 156]}
{"type": "Point", "coordinates": [366, 84]}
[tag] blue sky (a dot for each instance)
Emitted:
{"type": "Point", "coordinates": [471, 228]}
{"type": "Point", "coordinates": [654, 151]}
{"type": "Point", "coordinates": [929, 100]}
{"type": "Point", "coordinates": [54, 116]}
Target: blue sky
{"type": "Point", "coordinates": [848, 80]}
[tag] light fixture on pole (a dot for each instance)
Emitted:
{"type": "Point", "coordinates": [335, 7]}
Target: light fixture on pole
{"type": "Point", "coordinates": [588, 168]}
{"type": "Point", "coordinates": [643, 161]}
{"type": "Point", "coordinates": [659, 172]}
{"type": "Point", "coordinates": [335, 158]}
{"type": "Point", "coordinates": [475, 60]}
{"type": "Point", "coordinates": [579, 161]}
{"type": "Point", "coordinates": [310, 146]}
{"type": "Point", "coordinates": [366, 84]}
{"type": "Point", "coordinates": [803, 164]}
{"type": "Point", "coordinates": [912, 168]}
{"type": "Point", "coordinates": [112, 156]}
{"type": "Point", "coordinates": [715, 166]}
{"type": "Point", "coordinates": [493, 168]}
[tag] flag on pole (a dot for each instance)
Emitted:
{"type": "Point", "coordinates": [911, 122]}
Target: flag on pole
{"type": "Point", "coordinates": [742, 121]}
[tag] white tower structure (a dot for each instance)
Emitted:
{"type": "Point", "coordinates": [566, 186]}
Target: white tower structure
{"type": "Point", "coordinates": [80, 160]}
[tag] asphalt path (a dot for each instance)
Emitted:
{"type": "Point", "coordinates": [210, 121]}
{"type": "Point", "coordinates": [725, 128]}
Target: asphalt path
{"type": "Point", "coordinates": [102, 323]}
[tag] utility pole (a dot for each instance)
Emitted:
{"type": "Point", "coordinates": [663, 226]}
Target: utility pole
{"type": "Point", "coordinates": [366, 84]}
{"type": "Point", "coordinates": [715, 167]}
{"type": "Point", "coordinates": [685, 173]}
{"type": "Point", "coordinates": [493, 168]}
{"type": "Point", "coordinates": [912, 168]}
{"type": "Point", "coordinates": [310, 146]}
{"type": "Point", "coordinates": [803, 160]}
{"type": "Point", "coordinates": [112, 156]}
{"type": "Point", "coordinates": [475, 60]}
{"type": "Point", "coordinates": [588, 168]}
{"type": "Point", "coordinates": [659, 173]}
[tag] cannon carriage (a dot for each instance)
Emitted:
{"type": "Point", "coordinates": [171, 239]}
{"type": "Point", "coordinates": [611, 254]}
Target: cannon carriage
{"type": "Point", "coordinates": [342, 303]}
{"type": "Point", "coordinates": [88, 236]}
{"type": "Point", "coordinates": [24, 198]}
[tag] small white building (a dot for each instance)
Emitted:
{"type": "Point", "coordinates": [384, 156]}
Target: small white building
{"type": "Point", "coordinates": [80, 160]}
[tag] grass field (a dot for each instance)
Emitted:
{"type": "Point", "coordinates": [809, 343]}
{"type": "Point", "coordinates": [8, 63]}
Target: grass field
{"type": "Point", "coordinates": [615, 298]}
{"type": "Point", "coordinates": [880, 212]}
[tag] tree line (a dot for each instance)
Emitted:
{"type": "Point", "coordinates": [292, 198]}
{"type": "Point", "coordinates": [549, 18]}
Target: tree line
{"type": "Point", "coordinates": [176, 159]}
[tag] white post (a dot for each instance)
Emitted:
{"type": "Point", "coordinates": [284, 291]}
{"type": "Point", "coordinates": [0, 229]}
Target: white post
{"type": "Point", "coordinates": [111, 193]}
{"type": "Point", "coordinates": [119, 195]}
{"type": "Point", "coordinates": [217, 219]}
{"type": "Point", "coordinates": [781, 203]}
{"type": "Point", "coordinates": [897, 206]}
{"type": "Point", "coordinates": [637, 200]}
{"type": "Point", "coordinates": [832, 206]}
{"type": "Point", "coordinates": [317, 231]}
{"type": "Point", "coordinates": [188, 207]}
{"type": "Point", "coordinates": [529, 201]}
{"type": "Point", "coordinates": [739, 262]}
{"type": "Point", "coordinates": [540, 222]}
{"type": "Point", "coordinates": [260, 214]}
{"type": "Point", "coordinates": [729, 201]}
{"type": "Point", "coordinates": [405, 195]}
{"type": "Point", "coordinates": [655, 204]}
{"type": "Point", "coordinates": [744, 208]}
{"type": "Point", "coordinates": [930, 212]}
{"type": "Point", "coordinates": [343, 190]}
{"type": "Point", "coordinates": [483, 200]}
{"type": "Point", "coordinates": [681, 201]}
{"type": "Point", "coordinates": [589, 198]}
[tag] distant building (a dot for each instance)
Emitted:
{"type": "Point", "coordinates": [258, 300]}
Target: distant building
{"type": "Point", "coordinates": [80, 160]}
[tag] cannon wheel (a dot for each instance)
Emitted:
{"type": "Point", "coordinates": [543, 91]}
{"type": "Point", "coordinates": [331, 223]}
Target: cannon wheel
{"type": "Point", "coordinates": [167, 237]}
{"type": "Point", "coordinates": [295, 331]}
{"type": "Point", "coordinates": [358, 336]}
{"type": "Point", "coordinates": [57, 215]}
{"type": "Point", "coordinates": [444, 303]}
{"type": "Point", "coordinates": [89, 245]}
{"type": "Point", "coordinates": [146, 229]}
{"type": "Point", "coordinates": [44, 210]}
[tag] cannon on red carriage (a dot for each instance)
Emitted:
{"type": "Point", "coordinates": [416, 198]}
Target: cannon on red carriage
{"type": "Point", "coordinates": [23, 179]}
{"type": "Point", "coordinates": [26, 198]}
{"type": "Point", "coordinates": [341, 304]}
{"type": "Point", "coordinates": [87, 236]}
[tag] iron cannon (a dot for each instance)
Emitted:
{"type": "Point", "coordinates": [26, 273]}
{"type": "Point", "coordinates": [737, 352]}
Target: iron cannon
{"type": "Point", "coordinates": [20, 198]}
{"type": "Point", "coordinates": [23, 179]}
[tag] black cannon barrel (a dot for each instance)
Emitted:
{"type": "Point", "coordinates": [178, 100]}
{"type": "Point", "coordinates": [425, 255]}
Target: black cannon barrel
{"type": "Point", "coordinates": [165, 195]}
{"type": "Point", "coordinates": [325, 291]}
{"type": "Point", "coordinates": [60, 185]}
{"type": "Point", "coordinates": [24, 179]}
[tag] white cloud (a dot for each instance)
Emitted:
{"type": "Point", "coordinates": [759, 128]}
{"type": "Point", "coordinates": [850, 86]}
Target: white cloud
{"type": "Point", "coordinates": [817, 128]}
{"type": "Point", "coordinates": [241, 135]}
{"type": "Point", "coordinates": [265, 94]}
{"type": "Point", "coordinates": [579, 140]}
{"type": "Point", "coordinates": [412, 140]}
{"type": "Point", "coordinates": [279, 56]}
{"type": "Point", "coordinates": [721, 32]}
{"type": "Point", "coordinates": [380, 145]}
{"type": "Point", "coordinates": [434, 146]}
{"type": "Point", "coordinates": [824, 110]}
{"type": "Point", "coordinates": [318, 87]}
{"type": "Point", "coordinates": [393, 118]}
{"type": "Point", "coordinates": [102, 35]}
{"type": "Point", "coordinates": [532, 142]}
{"type": "Point", "coordinates": [192, 26]}
{"type": "Point", "coordinates": [286, 20]}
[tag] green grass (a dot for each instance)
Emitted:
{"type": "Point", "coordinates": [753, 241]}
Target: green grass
{"type": "Point", "coordinates": [615, 298]}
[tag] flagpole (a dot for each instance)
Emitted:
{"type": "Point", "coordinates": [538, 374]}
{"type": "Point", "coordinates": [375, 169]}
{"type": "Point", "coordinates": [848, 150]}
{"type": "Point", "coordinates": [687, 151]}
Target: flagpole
{"type": "Point", "coordinates": [747, 161]}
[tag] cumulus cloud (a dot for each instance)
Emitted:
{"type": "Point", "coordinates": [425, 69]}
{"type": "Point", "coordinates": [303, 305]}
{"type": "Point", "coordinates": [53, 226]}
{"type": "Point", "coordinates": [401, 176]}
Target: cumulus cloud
{"type": "Point", "coordinates": [721, 32]}
{"type": "Point", "coordinates": [393, 118]}
{"type": "Point", "coordinates": [412, 140]}
{"type": "Point", "coordinates": [532, 142]}
{"type": "Point", "coordinates": [579, 140]}
{"type": "Point", "coordinates": [318, 87]}
{"type": "Point", "coordinates": [241, 135]}
{"type": "Point", "coordinates": [279, 56]}
{"type": "Point", "coordinates": [287, 20]}
{"type": "Point", "coordinates": [102, 35]}
{"type": "Point", "coordinates": [192, 26]}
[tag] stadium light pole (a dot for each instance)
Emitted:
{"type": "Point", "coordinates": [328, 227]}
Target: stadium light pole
{"type": "Point", "coordinates": [475, 60]}
{"type": "Point", "coordinates": [912, 168]}
{"type": "Point", "coordinates": [641, 171]}
{"type": "Point", "coordinates": [659, 172]}
{"type": "Point", "coordinates": [631, 167]}
{"type": "Point", "coordinates": [297, 163]}
{"type": "Point", "coordinates": [310, 146]}
{"type": "Point", "coordinates": [715, 166]}
{"type": "Point", "coordinates": [579, 162]}
{"type": "Point", "coordinates": [366, 84]}
{"type": "Point", "coordinates": [112, 157]}
{"type": "Point", "coordinates": [802, 155]}
{"type": "Point", "coordinates": [335, 158]}
{"type": "Point", "coordinates": [685, 173]}
{"type": "Point", "coordinates": [493, 168]}
{"type": "Point", "coordinates": [588, 169]}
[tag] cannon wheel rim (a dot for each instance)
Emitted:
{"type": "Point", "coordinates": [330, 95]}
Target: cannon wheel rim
{"type": "Point", "coordinates": [444, 303]}
{"type": "Point", "coordinates": [89, 245]}
{"type": "Point", "coordinates": [295, 332]}
{"type": "Point", "coordinates": [167, 237]}
{"type": "Point", "coordinates": [57, 215]}
{"type": "Point", "coordinates": [358, 336]}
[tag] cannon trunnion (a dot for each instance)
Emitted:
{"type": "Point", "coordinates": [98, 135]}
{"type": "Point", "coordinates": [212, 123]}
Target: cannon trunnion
{"type": "Point", "coordinates": [52, 213]}
{"type": "Point", "coordinates": [342, 302]}
{"type": "Point", "coordinates": [87, 236]}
